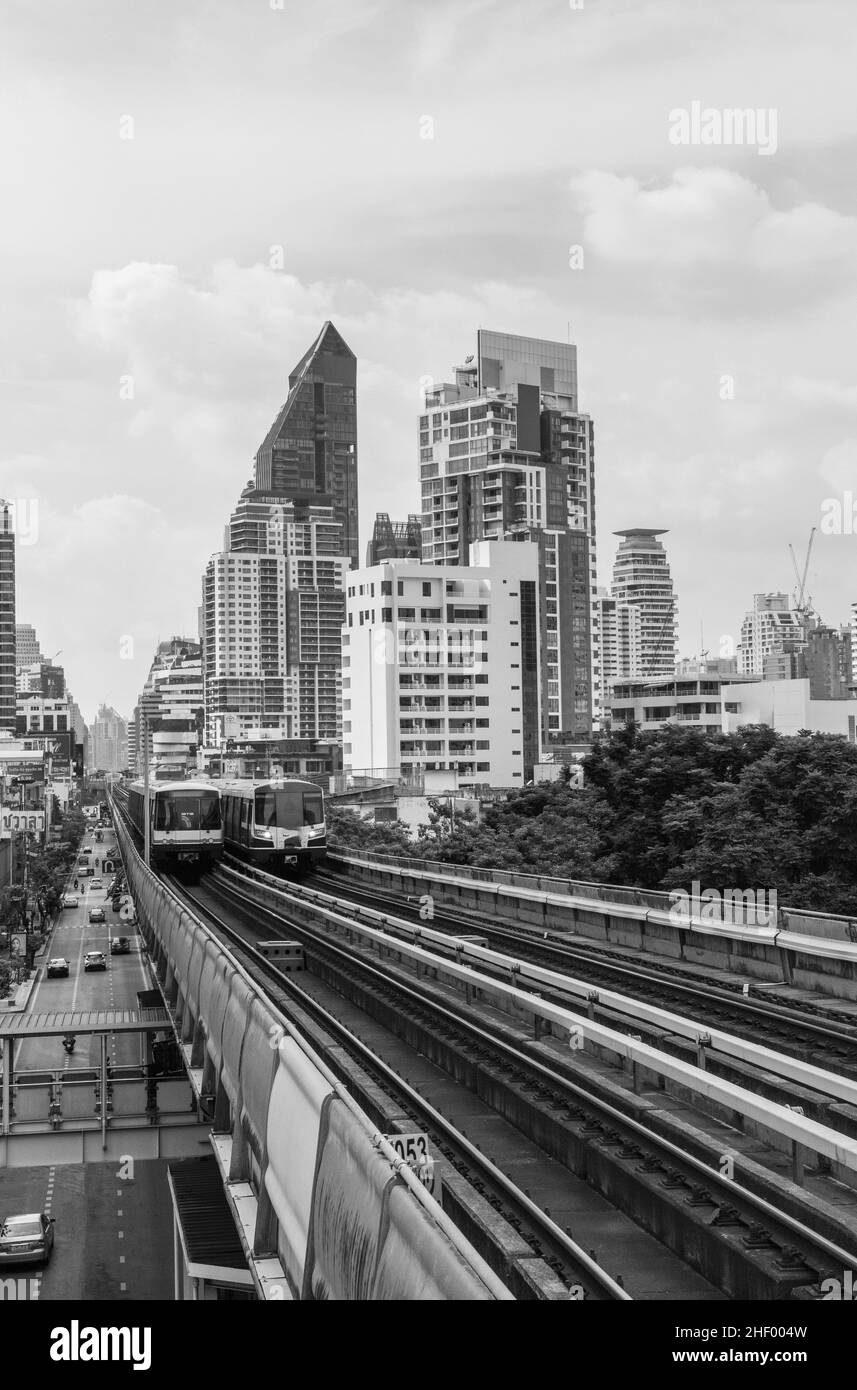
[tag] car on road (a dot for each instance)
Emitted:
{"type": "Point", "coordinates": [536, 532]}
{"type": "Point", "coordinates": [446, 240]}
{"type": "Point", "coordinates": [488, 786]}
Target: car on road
{"type": "Point", "coordinates": [26, 1240]}
{"type": "Point", "coordinates": [71, 900]}
{"type": "Point", "coordinates": [94, 960]}
{"type": "Point", "coordinates": [96, 914]}
{"type": "Point", "coordinates": [96, 883]}
{"type": "Point", "coordinates": [87, 849]}
{"type": "Point", "coordinates": [58, 965]}
{"type": "Point", "coordinates": [120, 946]}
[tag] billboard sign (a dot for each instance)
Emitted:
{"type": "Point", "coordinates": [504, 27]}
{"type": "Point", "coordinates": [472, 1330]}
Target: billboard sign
{"type": "Point", "coordinates": [12, 819]}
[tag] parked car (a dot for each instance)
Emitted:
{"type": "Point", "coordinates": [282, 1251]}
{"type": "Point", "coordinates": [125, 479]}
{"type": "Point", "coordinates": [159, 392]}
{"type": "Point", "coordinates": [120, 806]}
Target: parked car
{"type": "Point", "coordinates": [96, 914]}
{"type": "Point", "coordinates": [57, 966]}
{"type": "Point", "coordinates": [120, 946]}
{"type": "Point", "coordinates": [71, 900]}
{"type": "Point", "coordinates": [26, 1240]}
{"type": "Point", "coordinates": [117, 903]}
{"type": "Point", "coordinates": [96, 883]}
{"type": "Point", "coordinates": [94, 960]}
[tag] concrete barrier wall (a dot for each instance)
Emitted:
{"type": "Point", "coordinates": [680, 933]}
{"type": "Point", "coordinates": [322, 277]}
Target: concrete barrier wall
{"type": "Point", "coordinates": [800, 948]}
{"type": "Point", "coordinates": [805, 923]}
{"type": "Point", "coordinates": [294, 1125]}
{"type": "Point", "coordinates": [297, 1136]}
{"type": "Point", "coordinates": [362, 1208]}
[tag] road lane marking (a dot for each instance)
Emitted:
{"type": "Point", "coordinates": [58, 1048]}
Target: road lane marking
{"type": "Point", "coordinates": [49, 1197]}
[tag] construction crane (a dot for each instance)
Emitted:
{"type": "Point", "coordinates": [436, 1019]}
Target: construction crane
{"type": "Point", "coordinates": [802, 600]}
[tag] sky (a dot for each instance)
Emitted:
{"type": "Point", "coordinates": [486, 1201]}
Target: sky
{"type": "Point", "coordinates": [193, 186]}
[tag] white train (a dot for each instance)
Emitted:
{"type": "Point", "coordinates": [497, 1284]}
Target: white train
{"type": "Point", "coordinates": [185, 820]}
{"type": "Point", "coordinates": [278, 824]}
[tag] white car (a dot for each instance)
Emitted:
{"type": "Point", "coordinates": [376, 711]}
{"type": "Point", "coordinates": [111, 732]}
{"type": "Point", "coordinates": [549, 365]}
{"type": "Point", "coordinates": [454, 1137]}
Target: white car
{"type": "Point", "coordinates": [94, 960]}
{"type": "Point", "coordinates": [95, 883]}
{"type": "Point", "coordinates": [71, 900]}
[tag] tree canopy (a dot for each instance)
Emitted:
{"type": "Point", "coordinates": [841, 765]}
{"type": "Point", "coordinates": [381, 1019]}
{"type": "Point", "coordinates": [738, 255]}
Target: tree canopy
{"type": "Point", "coordinates": [660, 808]}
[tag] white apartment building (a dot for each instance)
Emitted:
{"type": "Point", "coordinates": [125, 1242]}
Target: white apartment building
{"type": "Point", "coordinates": [697, 696]}
{"type": "Point", "coordinates": [619, 627]}
{"type": "Point", "coordinates": [42, 714]}
{"type": "Point", "coordinates": [441, 667]}
{"type": "Point", "coordinates": [770, 630]}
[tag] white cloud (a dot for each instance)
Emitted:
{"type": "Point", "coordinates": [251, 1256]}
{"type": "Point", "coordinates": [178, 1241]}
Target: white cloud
{"type": "Point", "coordinates": [713, 220]}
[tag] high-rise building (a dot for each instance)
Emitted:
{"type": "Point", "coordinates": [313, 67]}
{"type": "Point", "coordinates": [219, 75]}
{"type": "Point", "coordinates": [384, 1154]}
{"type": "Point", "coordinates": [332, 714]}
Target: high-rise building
{"type": "Point", "coordinates": [272, 613]}
{"type": "Point", "coordinates": [310, 452]}
{"type": "Point", "coordinates": [505, 453]}
{"type": "Point", "coordinates": [81, 732]}
{"type": "Point", "coordinates": [441, 669]}
{"type": "Point", "coordinates": [822, 662]}
{"type": "Point", "coordinates": [27, 650]}
{"type": "Point", "coordinates": [846, 656]}
{"type": "Point", "coordinates": [108, 741]}
{"type": "Point", "coordinates": [619, 628]}
{"type": "Point", "coordinates": [168, 717]}
{"type": "Point", "coordinates": [771, 634]}
{"type": "Point", "coordinates": [642, 581]}
{"type": "Point", "coordinates": [7, 616]}
{"type": "Point", "coordinates": [394, 540]}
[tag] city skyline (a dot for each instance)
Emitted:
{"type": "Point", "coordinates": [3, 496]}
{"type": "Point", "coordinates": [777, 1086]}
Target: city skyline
{"type": "Point", "coordinates": [146, 356]}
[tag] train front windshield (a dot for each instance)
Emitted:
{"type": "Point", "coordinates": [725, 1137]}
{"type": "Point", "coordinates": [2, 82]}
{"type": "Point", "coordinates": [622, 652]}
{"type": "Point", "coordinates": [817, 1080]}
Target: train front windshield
{"type": "Point", "coordinates": [289, 809]}
{"type": "Point", "coordinates": [188, 811]}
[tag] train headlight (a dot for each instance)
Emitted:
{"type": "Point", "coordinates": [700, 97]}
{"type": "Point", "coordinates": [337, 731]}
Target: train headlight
{"type": "Point", "coordinates": [314, 830]}
{"type": "Point", "coordinates": [265, 834]}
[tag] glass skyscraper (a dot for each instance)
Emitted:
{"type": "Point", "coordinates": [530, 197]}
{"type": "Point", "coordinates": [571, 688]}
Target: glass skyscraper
{"type": "Point", "coordinates": [309, 454]}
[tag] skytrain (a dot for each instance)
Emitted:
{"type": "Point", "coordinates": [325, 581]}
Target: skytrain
{"type": "Point", "coordinates": [185, 821]}
{"type": "Point", "coordinates": [277, 824]}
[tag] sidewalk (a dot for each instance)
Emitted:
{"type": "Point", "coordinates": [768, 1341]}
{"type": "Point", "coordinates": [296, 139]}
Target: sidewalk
{"type": "Point", "coordinates": [18, 1000]}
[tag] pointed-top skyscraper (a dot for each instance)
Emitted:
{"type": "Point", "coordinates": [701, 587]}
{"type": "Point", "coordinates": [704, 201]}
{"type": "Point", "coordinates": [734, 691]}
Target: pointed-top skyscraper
{"type": "Point", "coordinates": [274, 597]}
{"type": "Point", "coordinates": [310, 452]}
